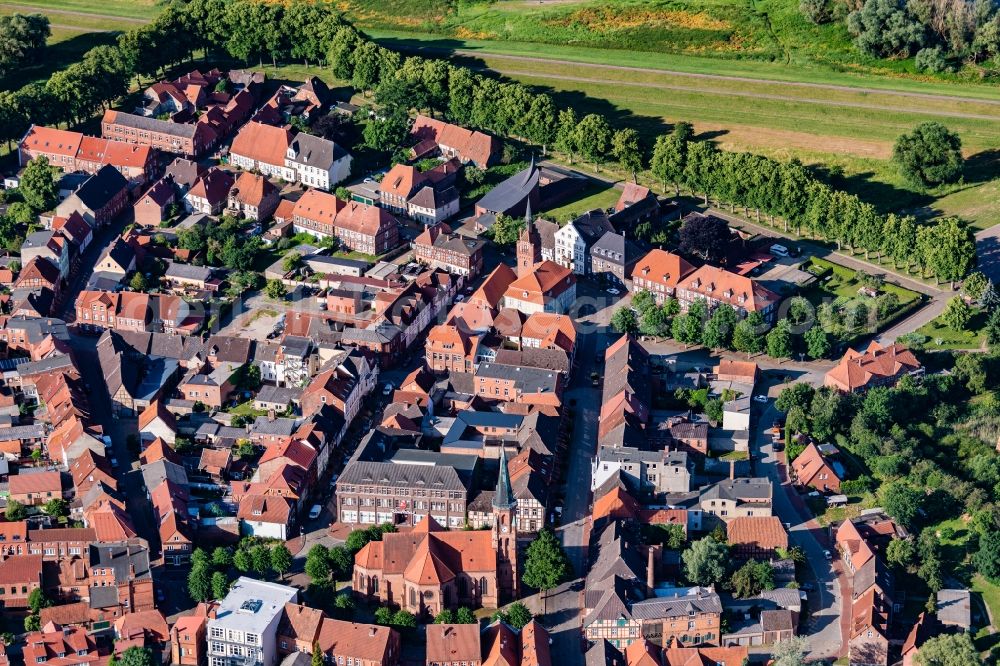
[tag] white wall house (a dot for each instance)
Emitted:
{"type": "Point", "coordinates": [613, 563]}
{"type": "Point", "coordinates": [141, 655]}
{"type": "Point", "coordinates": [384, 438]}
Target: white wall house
{"type": "Point", "coordinates": [571, 249]}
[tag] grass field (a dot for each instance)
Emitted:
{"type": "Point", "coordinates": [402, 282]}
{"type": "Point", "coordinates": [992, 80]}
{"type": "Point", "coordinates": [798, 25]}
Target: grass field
{"type": "Point", "coordinates": [752, 76]}
{"type": "Point", "coordinates": [940, 336]}
{"type": "Point", "coordinates": [596, 195]}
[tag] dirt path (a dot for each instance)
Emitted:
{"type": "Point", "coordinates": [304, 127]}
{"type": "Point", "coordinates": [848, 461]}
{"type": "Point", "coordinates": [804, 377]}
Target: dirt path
{"type": "Point", "coordinates": [715, 77]}
{"type": "Point", "coordinates": [748, 95]}
{"type": "Point", "coordinates": [70, 12]}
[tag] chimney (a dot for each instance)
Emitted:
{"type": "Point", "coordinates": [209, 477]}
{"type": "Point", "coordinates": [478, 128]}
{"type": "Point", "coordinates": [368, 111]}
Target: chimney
{"type": "Point", "coordinates": [270, 415]}
{"type": "Point", "coordinates": [732, 470]}
{"type": "Point", "coordinates": [650, 571]}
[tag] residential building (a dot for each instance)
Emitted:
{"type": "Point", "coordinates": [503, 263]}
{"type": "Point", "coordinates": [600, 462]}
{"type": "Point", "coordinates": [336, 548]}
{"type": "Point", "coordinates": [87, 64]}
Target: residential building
{"type": "Point", "coordinates": [718, 286]}
{"type": "Point", "coordinates": [154, 205]}
{"type": "Point", "coordinates": [210, 193]}
{"type": "Point", "coordinates": [19, 576]}
{"type": "Point", "coordinates": [186, 139]}
{"type": "Point", "coordinates": [35, 488]}
{"type": "Point", "coordinates": [812, 468]}
{"type": "Point", "coordinates": [648, 471]}
{"type": "Point", "coordinates": [876, 366]}
{"type": "Point", "coordinates": [99, 200]}
{"type": "Point", "coordinates": [453, 645]}
{"type": "Point", "coordinates": [277, 152]}
{"type": "Point", "coordinates": [244, 630]}
{"type": "Point", "coordinates": [612, 258]}
{"type": "Point", "coordinates": [660, 273]}
{"type": "Point", "coordinates": [55, 645]}
{"type": "Point", "coordinates": [253, 197]}
{"type": "Point", "coordinates": [733, 498]}
{"type": "Point", "coordinates": [73, 152]}
{"type": "Point", "coordinates": [187, 640]}
{"type": "Point", "coordinates": [756, 537]}
{"type": "Point", "coordinates": [453, 141]}
{"type": "Point", "coordinates": [574, 240]}
{"type": "Point", "coordinates": [684, 617]}
{"type": "Point", "coordinates": [438, 247]}
{"type": "Point", "coordinates": [366, 229]}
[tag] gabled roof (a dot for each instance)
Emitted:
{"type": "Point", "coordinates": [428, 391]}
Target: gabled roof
{"type": "Point", "coordinates": [262, 143]}
{"type": "Point", "coordinates": [98, 191]}
{"type": "Point", "coordinates": [765, 532]}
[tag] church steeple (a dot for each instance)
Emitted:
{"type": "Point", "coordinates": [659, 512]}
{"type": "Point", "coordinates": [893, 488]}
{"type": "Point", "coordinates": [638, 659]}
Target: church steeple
{"type": "Point", "coordinates": [505, 532]}
{"type": "Point", "coordinates": [503, 499]}
{"type": "Point", "coordinates": [529, 245]}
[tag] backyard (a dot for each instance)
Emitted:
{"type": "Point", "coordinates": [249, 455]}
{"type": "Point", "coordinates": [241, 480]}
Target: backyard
{"type": "Point", "coordinates": [941, 336]}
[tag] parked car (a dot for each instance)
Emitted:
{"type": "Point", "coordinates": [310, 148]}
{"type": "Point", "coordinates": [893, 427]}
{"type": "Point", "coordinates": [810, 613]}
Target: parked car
{"type": "Point", "coordinates": [387, 389]}
{"type": "Point", "coordinates": [827, 554]}
{"type": "Point", "coordinates": [760, 398]}
{"type": "Point", "coordinates": [315, 511]}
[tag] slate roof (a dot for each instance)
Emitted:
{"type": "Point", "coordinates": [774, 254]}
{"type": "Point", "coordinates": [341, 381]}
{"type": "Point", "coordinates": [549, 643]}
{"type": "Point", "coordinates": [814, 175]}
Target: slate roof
{"type": "Point", "coordinates": [401, 475]}
{"type": "Point", "coordinates": [101, 188]}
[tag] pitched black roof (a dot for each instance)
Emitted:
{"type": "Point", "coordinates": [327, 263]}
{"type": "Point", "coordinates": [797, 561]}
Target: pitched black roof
{"type": "Point", "coordinates": [101, 188]}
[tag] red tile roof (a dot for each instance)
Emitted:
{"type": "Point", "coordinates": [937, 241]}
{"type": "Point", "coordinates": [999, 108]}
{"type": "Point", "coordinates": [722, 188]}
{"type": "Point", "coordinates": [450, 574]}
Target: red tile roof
{"type": "Point", "coordinates": [37, 482]}
{"type": "Point", "coordinates": [263, 143]}
{"type": "Point", "coordinates": [765, 532]}
{"type": "Point", "coordinates": [857, 370]}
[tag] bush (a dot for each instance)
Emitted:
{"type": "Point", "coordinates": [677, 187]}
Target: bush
{"type": "Point", "coordinates": [817, 11]}
{"type": "Point", "coordinates": [931, 60]}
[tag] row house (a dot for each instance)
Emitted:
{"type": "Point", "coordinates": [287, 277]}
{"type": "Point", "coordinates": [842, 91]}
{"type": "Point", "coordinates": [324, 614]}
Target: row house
{"type": "Point", "coordinates": [186, 139]}
{"type": "Point", "coordinates": [612, 259]}
{"type": "Point", "coordinates": [574, 240]}
{"type": "Point", "coordinates": [717, 286]}
{"type": "Point", "coordinates": [155, 204]}
{"type": "Point", "coordinates": [253, 197]}
{"type": "Point", "coordinates": [134, 311]}
{"type": "Point", "coordinates": [526, 385]}
{"type": "Point", "coordinates": [426, 196]}
{"type": "Point", "coordinates": [72, 152]}
{"type": "Point", "coordinates": [303, 158]}
{"type": "Point", "coordinates": [358, 227]}
{"type": "Point", "coordinates": [20, 575]}
{"type": "Point", "coordinates": [438, 247]}
{"type": "Point", "coordinates": [453, 141]}
{"type": "Point", "coordinates": [210, 193]}
{"type": "Point", "coordinates": [302, 629]}
{"type": "Point", "coordinates": [342, 386]}
{"type": "Point", "coordinates": [99, 200]}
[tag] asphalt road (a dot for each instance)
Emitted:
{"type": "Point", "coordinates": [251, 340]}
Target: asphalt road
{"type": "Point", "coordinates": [823, 628]}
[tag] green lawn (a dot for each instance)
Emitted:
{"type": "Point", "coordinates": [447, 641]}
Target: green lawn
{"type": "Point", "coordinates": [246, 409]}
{"type": "Point", "coordinates": [843, 282]}
{"type": "Point", "coordinates": [989, 593]}
{"type": "Point", "coordinates": [596, 195]}
{"type": "Point", "coordinates": [941, 336]}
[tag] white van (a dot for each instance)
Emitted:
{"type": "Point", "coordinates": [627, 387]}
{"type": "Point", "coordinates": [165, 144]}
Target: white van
{"type": "Point", "coordinates": [779, 250]}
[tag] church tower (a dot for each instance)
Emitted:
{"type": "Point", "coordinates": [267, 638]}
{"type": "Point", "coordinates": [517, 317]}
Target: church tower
{"type": "Point", "coordinates": [529, 245]}
{"type": "Point", "coordinates": [505, 533]}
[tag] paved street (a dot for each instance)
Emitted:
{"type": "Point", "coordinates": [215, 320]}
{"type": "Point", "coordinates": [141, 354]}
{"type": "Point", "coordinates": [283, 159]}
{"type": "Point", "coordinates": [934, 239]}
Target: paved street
{"type": "Point", "coordinates": [824, 627]}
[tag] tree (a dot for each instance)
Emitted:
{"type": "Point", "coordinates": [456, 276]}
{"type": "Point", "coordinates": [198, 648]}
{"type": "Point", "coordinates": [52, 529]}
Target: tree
{"type": "Point", "coordinates": [260, 559]}
{"type": "Point", "coordinates": [668, 160]}
{"type": "Point", "coordinates": [715, 410]}
{"type": "Point", "coordinates": [56, 507]}
{"type": "Point", "coordinates": [686, 328]}
{"type": "Point", "coordinates": [974, 285]}
{"type": "Point", "coordinates": [138, 282]}
{"type": "Point", "coordinates": [748, 335]}
{"type": "Point", "coordinates": [39, 187]}
{"type": "Point", "coordinates": [949, 248]}
{"type": "Point", "coordinates": [901, 552]}
{"type": "Point", "coordinates": [465, 616]}
{"type": "Point", "coordinates": [281, 559]}
{"type": "Point", "coordinates": [200, 583]}
{"type": "Point", "coordinates": [403, 619]}
{"type": "Point", "coordinates": [705, 561]}
{"type": "Point", "coordinates": [987, 558]}
{"type": "Point", "coordinates": [318, 564]}
{"type": "Point", "coordinates": [885, 28]}
{"type": "Point", "coordinates": [929, 155]}
{"type": "Point", "coordinates": [592, 137]}
{"type": "Point", "coordinates": [37, 600]}
{"type": "Point", "coordinates": [383, 616]}
{"type": "Point", "coordinates": [344, 602]}
{"type": "Point", "coordinates": [655, 322]}
{"type": "Point", "coordinates": [706, 236]}
{"type": "Point", "coordinates": [317, 655]}
{"type": "Point", "coordinates": [626, 150]}
{"type": "Point", "coordinates": [901, 501]}
{"type": "Point", "coordinates": [135, 656]}
{"type": "Point", "coordinates": [817, 342]}
{"type": "Point", "coordinates": [276, 290]}
{"type": "Point", "coordinates": [384, 132]}
{"type": "Point", "coordinates": [545, 565]}
{"type": "Point", "coordinates": [22, 38]}
{"type": "Point", "coordinates": [948, 650]}
{"type": "Point", "coordinates": [506, 230]}
{"type": "Point", "coordinates": [779, 340]}
{"type": "Point", "coordinates": [32, 623]}
{"type": "Point", "coordinates": [220, 585]}
{"type": "Point", "coordinates": [718, 333]}
{"type": "Point", "coordinates": [291, 261]}
{"type": "Point", "coordinates": [445, 617]}
{"type": "Point", "coordinates": [790, 652]}
{"type": "Point", "coordinates": [15, 511]}
{"type": "Point", "coordinates": [516, 615]}
{"type": "Point", "coordinates": [624, 320]}
{"type": "Point", "coordinates": [341, 562]}
{"type": "Point", "coordinates": [817, 11]}
{"type": "Point", "coordinates": [956, 314]}
{"type": "Point", "coordinates": [241, 561]}
{"type": "Point", "coordinates": [752, 578]}
{"type": "Point", "coordinates": [566, 132]}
